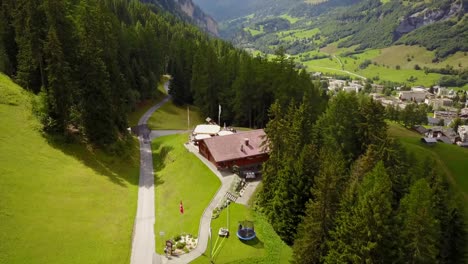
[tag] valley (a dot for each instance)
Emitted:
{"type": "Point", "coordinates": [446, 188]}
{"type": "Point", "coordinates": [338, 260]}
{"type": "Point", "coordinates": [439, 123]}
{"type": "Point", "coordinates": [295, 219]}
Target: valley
{"type": "Point", "coordinates": [337, 37]}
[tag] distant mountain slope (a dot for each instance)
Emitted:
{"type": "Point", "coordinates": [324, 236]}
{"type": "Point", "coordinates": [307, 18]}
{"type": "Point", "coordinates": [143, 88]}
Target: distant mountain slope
{"type": "Point", "coordinates": [187, 10]}
{"type": "Point", "coordinates": [224, 10]}
{"type": "Point", "coordinates": [439, 25]}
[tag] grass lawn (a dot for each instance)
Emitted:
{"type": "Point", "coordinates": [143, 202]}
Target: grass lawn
{"type": "Point", "coordinates": [267, 248]}
{"type": "Point", "coordinates": [253, 32]}
{"type": "Point", "coordinates": [143, 106]}
{"type": "Point", "coordinates": [326, 63]}
{"type": "Point", "coordinates": [179, 176]}
{"type": "Point", "coordinates": [392, 74]}
{"type": "Point", "coordinates": [173, 117]}
{"type": "Point", "coordinates": [452, 159]}
{"type": "Point", "coordinates": [291, 19]}
{"type": "Point", "coordinates": [60, 203]}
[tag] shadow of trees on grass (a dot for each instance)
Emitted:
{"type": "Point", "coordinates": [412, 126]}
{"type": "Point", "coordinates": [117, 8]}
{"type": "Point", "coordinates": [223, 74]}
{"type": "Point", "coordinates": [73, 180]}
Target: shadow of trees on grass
{"type": "Point", "coordinates": [120, 163]}
{"type": "Point", "coordinates": [256, 243]}
{"type": "Point", "coordinates": [160, 154]}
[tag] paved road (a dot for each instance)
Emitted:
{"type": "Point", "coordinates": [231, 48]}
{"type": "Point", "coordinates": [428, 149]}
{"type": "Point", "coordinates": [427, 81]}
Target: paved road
{"type": "Point", "coordinates": [143, 244]}
{"type": "Point", "coordinates": [143, 230]}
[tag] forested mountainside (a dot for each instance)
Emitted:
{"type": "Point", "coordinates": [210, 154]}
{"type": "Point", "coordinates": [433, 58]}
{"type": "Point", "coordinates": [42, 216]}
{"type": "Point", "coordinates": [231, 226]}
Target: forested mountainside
{"type": "Point", "coordinates": [93, 61]}
{"type": "Point", "coordinates": [339, 189]}
{"type": "Point", "coordinates": [188, 11]}
{"type": "Point", "coordinates": [437, 25]}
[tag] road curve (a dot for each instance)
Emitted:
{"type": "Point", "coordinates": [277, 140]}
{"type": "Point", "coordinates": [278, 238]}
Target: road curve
{"type": "Point", "coordinates": [143, 230]}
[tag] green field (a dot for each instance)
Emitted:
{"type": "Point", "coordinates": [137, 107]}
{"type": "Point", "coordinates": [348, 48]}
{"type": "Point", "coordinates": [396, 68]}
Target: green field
{"type": "Point", "coordinates": [298, 34]}
{"type": "Point", "coordinates": [385, 62]}
{"type": "Point", "coordinates": [267, 248]}
{"type": "Point", "coordinates": [60, 203]}
{"type": "Point", "coordinates": [254, 32]}
{"type": "Point", "coordinates": [452, 159]}
{"type": "Point", "coordinates": [179, 176]}
{"type": "Point", "coordinates": [173, 117]}
{"type": "Point", "coordinates": [291, 19]}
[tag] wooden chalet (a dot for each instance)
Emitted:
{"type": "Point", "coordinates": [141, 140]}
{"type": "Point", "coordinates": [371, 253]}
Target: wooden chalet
{"type": "Point", "coordinates": [243, 149]}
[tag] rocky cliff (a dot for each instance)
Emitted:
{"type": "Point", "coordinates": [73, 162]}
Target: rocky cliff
{"type": "Point", "coordinates": [198, 16]}
{"type": "Point", "coordinates": [188, 11]}
{"type": "Point", "coordinates": [427, 17]}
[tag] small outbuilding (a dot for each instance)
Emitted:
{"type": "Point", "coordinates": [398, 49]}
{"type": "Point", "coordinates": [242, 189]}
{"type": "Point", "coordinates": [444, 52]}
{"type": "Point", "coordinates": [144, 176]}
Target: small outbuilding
{"type": "Point", "coordinates": [211, 130]}
{"type": "Point", "coordinates": [420, 129]}
{"type": "Point", "coordinates": [429, 141]}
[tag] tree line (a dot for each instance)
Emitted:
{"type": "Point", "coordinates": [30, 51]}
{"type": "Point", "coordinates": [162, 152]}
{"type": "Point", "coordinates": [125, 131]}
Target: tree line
{"type": "Point", "coordinates": [340, 190]}
{"type": "Point", "coordinates": [91, 62]}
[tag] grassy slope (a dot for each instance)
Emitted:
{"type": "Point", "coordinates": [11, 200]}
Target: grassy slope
{"type": "Point", "coordinates": [170, 116]}
{"type": "Point", "coordinates": [452, 159]}
{"type": "Point", "coordinates": [267, 248]}
{"type": "Point", "coordinates": [62, 203]}
{"type": "Point", "coordinates": [387, 59]}
{"type": "Point", "coordinates": [179, 176]}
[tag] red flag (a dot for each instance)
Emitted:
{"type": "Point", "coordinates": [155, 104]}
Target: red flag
{"type": "Point", "coordinates": [181, 207]}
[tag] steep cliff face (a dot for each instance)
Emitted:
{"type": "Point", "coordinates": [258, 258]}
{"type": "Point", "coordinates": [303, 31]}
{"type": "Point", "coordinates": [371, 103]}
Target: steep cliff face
{"type": "Point", "coordinates": [427, 17]}
{"type": "Point", "coordinates": [198, 16]}
{"type": "Point", "coordinates": [188, 11]}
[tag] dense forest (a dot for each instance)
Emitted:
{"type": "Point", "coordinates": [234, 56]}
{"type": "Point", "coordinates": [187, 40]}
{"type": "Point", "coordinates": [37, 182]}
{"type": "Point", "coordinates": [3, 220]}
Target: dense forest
{"type": "Point", "coordinates": [340, 190]}
{"type": "Point", "coordinates": [91, 62]}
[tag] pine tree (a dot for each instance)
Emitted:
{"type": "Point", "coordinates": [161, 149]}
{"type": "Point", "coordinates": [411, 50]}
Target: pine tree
{"type": "Point", "coordinates": [364, 231]}
{"type": "Point", "coordinates": [58, 79]}
{"type": "Point", "coordinates": [310, 243]}
{"type": "Point", "coordinates": [420, 228]}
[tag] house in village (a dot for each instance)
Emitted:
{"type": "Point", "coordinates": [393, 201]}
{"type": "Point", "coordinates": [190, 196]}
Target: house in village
{"type": "Point", "coordinates": [439, 102]}
{"type": "Point", "coordinates": [463, 132]}
{"type": "Point", "coordinates": [336, 85]}
{"type": "Point", "coordinates": [446, 135]}
{"type": "Point", "coordinates": [415, 96]}
{"type": "Point", "coordinates": [243, 149]}
{"type": "Point", "coordinates": [429, 141]}
{"type": "Point", "coordinates": [464, 113]}
{"type": "Point", "coordinates": [377, 88]}
{"type": "Point", "coordinates": [445, 114]}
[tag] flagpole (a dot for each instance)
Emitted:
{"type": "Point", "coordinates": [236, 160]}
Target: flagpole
{"type": "Point", "coordinates": [219, 115]}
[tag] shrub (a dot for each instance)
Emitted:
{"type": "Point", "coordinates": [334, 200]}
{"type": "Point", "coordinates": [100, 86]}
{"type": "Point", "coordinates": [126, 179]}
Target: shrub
{"type": "Point", "coordinates": [180, 245]}
{"type": "Point", "coordinates": [177, 238]}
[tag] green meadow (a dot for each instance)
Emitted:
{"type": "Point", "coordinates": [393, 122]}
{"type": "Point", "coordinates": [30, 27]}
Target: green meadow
{"type": "Point", "coordinates": [179, 176]}
{"type": "Point", "coordinates": [266, 248]}
{"type": "Point", "coordinates": [173, 117]}
{"type": "Point", "coordinates": [451, 158]}
{"type": "Point", "coordinates": [60, 202]}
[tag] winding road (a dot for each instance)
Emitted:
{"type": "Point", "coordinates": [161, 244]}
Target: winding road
{"type": "Point", "coordinates": [143, 240]}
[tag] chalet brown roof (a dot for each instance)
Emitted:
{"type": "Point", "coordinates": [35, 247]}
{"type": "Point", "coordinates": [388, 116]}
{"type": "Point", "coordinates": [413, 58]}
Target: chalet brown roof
{"type": "Point", "coordinates": [234, 146]}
